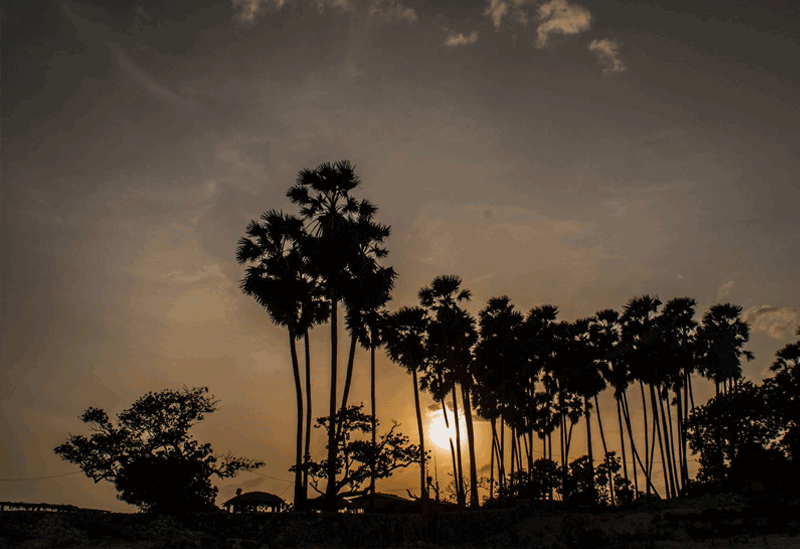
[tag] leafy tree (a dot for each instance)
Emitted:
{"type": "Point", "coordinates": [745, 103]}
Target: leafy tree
{"type": "Point", "coordinates": [783, 390]}
{"type": "Point", "coordinates": [612, 488]}
{"type": "Point", "coordinates": [358, 459]}
{"type": "Point", "coordinates": [150, 457]}
{"type": "Point", "coordinates": [723, 429]}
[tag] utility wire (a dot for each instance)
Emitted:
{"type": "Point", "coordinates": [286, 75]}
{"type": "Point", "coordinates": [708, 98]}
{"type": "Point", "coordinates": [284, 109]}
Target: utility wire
{"type": "Point", "coordinates": [39, 478]}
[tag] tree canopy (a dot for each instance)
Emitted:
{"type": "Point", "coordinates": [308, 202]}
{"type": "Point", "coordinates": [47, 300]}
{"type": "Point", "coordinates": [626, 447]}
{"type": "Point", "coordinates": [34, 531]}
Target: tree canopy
{"type": "Point", "coordinates": [149, 456]}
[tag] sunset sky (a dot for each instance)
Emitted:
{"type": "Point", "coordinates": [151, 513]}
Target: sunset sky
{"type": "Point", "coordinates": [577, 154]}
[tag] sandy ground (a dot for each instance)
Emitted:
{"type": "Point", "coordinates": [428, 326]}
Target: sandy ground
{"type": "Point", "coordinates": [677, 524]}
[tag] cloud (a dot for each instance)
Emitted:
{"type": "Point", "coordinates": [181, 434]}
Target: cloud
{"type": "Point", "coordinates": [780, 323]}
{"type": "Point", "coordinates": [559, 16]}
{"type": "Point", "coordinates": [724, 290]}
{"type": "Point", "coordinates": [248, 10]}
{"type": "Point", "coordinates": [385, 10]}
{"type": "Point", "coordinates": [391, 10]}
{"type": "Point", "coordinates": [497, 10]}
{"type": "Point", "coordinates": [607, 51]}
{"type": "Point", "coordinates": [460, 39]}
{"type": "Point", "coordinates": [182, 278]}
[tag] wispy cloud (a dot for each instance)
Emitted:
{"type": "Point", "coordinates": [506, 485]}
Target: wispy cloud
{"type": "Point", "coordinates": [724, 291]}
{"type": "Point", "coordinates": [779, 323]}
{"type": "Point", "coordinates": [497, 10]}
{"type": "Point", "coordinates": [248, 10]}
{"type": "Point", "coordinates": [385, 10]}
{"type": "Point", "coordinates": [561, 17]}
{"type": "Point", "coordinates": [391, 10]}
{"type": "Point", "coordinates": [607, 51]}
{"type": "Point", "coordinates": [182, 278]}
{"type": "Point", "coordinates": [460, 39]}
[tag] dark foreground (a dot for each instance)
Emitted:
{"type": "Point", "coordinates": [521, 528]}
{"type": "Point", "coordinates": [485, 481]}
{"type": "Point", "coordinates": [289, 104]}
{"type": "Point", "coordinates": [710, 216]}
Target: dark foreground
{"type": "Point", "coordinates": [711, 521]}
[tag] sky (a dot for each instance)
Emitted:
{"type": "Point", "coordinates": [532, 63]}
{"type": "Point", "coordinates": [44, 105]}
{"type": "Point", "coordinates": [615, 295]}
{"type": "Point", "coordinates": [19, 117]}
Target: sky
{"type": "Point", "coordinates": [572, 153]}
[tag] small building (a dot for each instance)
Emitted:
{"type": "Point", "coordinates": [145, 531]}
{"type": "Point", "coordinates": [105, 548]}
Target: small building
{"type": "Point", "coordinates": [254, 502]}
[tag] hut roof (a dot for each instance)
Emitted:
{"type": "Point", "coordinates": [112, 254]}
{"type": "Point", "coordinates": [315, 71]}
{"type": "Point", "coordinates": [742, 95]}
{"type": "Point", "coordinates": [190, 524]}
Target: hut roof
{"type": "Point", "coordinates": [255, 498]}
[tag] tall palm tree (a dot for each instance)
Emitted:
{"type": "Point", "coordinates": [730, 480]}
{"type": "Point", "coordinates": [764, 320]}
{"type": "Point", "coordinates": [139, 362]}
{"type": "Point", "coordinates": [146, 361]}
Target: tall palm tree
{"type": "Point", "coordinates": [677, 362]}
{"type": "Point", "coordinates": [451, 340]}
{"type": "Point", "coordinates": [369, 286]}
{"type": "Point", "coordinates": [330, 213]}
{"type": "Point", "coordinates": [279, 282]}
{"type": "Point", "coordinates": [639, 335]}
{"type": "Point", "coordinates": [721, 339]}
{"type": "Point", "coordinates": [405, 336]}
{"type": "Point", "coordinates": [498, 361]}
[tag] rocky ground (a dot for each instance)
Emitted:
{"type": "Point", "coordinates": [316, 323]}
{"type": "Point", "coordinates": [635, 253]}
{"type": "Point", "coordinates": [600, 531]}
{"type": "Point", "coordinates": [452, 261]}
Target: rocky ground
{"type": "Point", "coordinates": [711, 521]}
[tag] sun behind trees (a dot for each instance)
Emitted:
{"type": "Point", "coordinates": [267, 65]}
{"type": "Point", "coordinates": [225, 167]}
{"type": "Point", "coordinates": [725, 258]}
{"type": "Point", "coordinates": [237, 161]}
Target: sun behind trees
{"type": "Point", "coordinates": [532, 377]}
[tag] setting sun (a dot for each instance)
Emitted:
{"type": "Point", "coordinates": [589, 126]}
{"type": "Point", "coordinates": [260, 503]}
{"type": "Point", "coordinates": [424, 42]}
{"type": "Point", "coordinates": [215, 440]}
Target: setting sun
{"type": "Point", "coordinates": [440, 434]}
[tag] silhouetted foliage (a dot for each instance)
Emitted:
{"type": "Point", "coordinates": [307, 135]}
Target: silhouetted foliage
{"type": "Point", "coordinates": [357, 455]}
{"type": "Point", "coordinates": [727, 426]}
{"type": "Point", "coordinates": [150, 457]}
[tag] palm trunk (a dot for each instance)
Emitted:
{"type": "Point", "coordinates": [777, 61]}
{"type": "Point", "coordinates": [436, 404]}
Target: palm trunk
{"type": "Point", "coordinates": [622, 441]}
{"type": "Point", "coordinates": [600, 424]}
{"type": "Point", "coordinates": [374, 414]}
{"type": "Point", "coordinates": [474, 501]}
{"type": "Point", "coordinates": [588, 413]}
{"type": "Point", "coordinates": [669, 481]}
{"type": "Point", "coordinates": [299, 502]}
{"type": "Point", "coordinates": [452, 448]}
{"type": "Point", "coordinates": [307, 452]}
{"type": "Point", "coordinates": [501, 467]}
{"type": "Point", "coordinates": [460, 481]}
{"type": "Point", "coordinates": [423, 486]}
{"type": "Point", "coordinates": [495, 448]}
{"type": "Point", "coordinates": [351, 356]}
{"type": "Point", "coordinates": [647, 471]}
{"type": "Point", "coordinates": [333, 444]}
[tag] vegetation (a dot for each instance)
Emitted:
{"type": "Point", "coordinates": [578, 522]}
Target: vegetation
{"type": "Point", "coordinates": [532, 376]}
{"type": "Point", "coordinates": [150, 457]}
{"type": "Point", "coordinates": [359, 460]}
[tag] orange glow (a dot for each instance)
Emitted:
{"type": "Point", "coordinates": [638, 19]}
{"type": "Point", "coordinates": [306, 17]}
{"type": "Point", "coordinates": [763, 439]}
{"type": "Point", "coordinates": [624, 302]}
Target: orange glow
{"type": "Point", "coordinates": [438, 432]}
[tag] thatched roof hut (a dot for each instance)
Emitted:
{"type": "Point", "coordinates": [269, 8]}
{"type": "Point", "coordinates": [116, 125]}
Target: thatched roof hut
{"type": "Point", "coordinates": [254, 502]}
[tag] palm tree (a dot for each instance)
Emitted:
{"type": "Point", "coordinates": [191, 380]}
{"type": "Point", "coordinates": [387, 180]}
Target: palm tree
{"type": "Point", "coordinates": [721, 337]}
{"type": "Point", "coordinates": [330, 213]}
{"type": "Point", "coordinates": [498, 361]}
{"type": "Point", "coordinates": [405, 336]}
{"type": "Point", "coordinates": [639, 335]}
{"type": "Point", "coordinates": [451, 339]}
{"type": "Point", "coordinates": [369, 286]}
{"type": "Point", "coordinates": [678, 337]}
{"type": "Point", "coordinates": [280, 283]}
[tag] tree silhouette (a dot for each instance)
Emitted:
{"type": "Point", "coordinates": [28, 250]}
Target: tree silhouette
{"type": "Point", "coordinates": [358, 459]}
{"type": "Point", "coordinates": [451, 338]}
{"type": "Point", "coordinates": [281, 283]}
{"type": "Point", "coordinates": [150, 457]}
{"type": "Point", "coordinates": [405, 335]}
{"type": "Point", "coordinates": [720, 340]}
{"type": "Point", "coordinates": [334, 247]}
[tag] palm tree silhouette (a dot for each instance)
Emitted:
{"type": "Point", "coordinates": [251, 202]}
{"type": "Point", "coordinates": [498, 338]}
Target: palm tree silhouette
{"type": "Point", "coordinates": [280, 282]}
{"type": "Point", "coordinates": [498, 360]}
{"type": "Point", "coordinates": [331, 214]}
{"type": "Point", "coordinates": [452, 336]}
{"type": "Point", "coordinates": [405, 336]}
{"type": "Point", "coordinates": [721, 337]}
